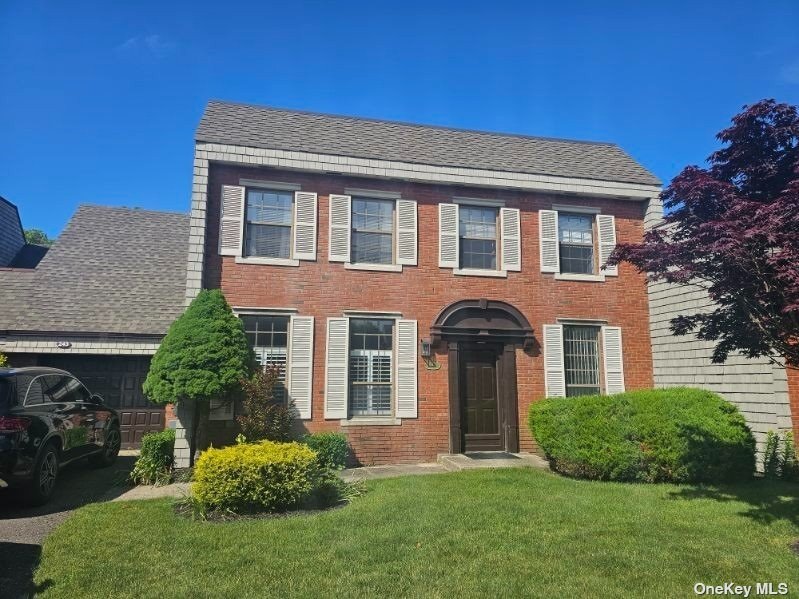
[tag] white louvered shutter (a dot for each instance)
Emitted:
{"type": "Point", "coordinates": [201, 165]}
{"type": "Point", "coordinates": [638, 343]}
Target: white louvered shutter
{"type": "Point", "coordinates": [448, 236]}
{"type": "Point", "coordinates": [304, 242]}
{"type": "Point", "coordinates": [606, 227]}
{"type": "Point", "coordinates": [336, 371]}
{"type": "Point", "coordinates": [614, 363]}
{"type": "Point", "coordinates": [406, 369]}
{"type": "Point", "coordinates": [340, 219]}
{"type": "Point", "coordinates": [300, 375]}
{"type": "Point", "coordinates": [220, 410]}
{"type": "Point", "coordinates": [406, 232]}
{"type": "Point", "coordinates": [554, 373]}
{"type": "Point", "coordinates": [509, 220]}
{"type": "Point", "coordinates": [231, 220]}
{"type": "Point", "coordinates": [548, 234]}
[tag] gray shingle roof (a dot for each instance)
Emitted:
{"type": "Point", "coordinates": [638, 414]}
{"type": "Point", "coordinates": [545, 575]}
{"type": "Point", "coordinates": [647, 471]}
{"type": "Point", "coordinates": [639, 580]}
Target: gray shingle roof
{"type": "Point", "coordinates": [280, 129]}
{"type": "Point", "coordinates": [112, 270]}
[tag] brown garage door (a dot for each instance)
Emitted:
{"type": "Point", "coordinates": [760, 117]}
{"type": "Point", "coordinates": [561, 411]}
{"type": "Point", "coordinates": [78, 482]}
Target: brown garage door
{"type": "Point", "coordinates": [118, 379]}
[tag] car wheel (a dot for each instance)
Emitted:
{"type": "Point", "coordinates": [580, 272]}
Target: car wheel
{"type": "Point", "coordinates": [45, 475]}
{"type": "Point", "coordinates": [110, 451]}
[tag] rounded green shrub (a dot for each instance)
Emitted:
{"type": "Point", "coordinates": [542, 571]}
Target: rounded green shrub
{"type": "Point", "coordinates": [652, 435]}
{"type": "Point", "coordinates": [154, 464]}
{"type": "Point", "coordinates": [332, 449]}
{"type": "Point", "coordinates": [265, 476]}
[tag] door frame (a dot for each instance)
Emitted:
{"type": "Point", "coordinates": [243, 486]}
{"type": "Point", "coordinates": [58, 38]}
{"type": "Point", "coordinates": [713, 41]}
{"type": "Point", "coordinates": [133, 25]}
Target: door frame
{"type": "Point", "coordinates": [507, 397]}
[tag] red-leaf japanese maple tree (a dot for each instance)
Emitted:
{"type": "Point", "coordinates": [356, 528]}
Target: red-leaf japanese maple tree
{"type": "Point", "coordinates": [733, 228]}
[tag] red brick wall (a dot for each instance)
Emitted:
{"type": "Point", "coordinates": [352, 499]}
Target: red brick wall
{"type": "Point", "coordinates": [322, 290]}
{"type": "Point", "coordinates": [793, 398]}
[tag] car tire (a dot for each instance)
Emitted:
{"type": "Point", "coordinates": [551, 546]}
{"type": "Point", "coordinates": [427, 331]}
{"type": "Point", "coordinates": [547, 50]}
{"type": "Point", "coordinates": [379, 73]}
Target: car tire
{"type": "Point", "coordinates": [110, 451]}
{"type": "Point", "coordinates": [45, 475]}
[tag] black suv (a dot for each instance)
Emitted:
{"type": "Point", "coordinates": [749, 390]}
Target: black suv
{"type": "Point", "coordinates": [47, 419]}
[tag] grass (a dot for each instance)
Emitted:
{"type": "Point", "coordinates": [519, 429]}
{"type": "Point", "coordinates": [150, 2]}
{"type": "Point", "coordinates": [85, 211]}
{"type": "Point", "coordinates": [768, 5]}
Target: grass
{"type": "Point", "coordinates": [504, 533]}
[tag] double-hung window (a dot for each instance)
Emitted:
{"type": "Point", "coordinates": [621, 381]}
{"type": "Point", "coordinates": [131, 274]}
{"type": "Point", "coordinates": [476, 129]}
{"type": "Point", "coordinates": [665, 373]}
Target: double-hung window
{"type": "Point", "coordinates": [576, 243]}
{"type": "Point", "coordinates": [371, 352]}
{"type": "Point", "coordinates": [477, 228]}
{"type": "Point", "coordinates": [372, 231]}
{"type": "Point", "coordinates": [268, 223]}
{"type": "Point", "coordinates": [268, 337]}
{"type": "Point", "coordinates": [581, 359]}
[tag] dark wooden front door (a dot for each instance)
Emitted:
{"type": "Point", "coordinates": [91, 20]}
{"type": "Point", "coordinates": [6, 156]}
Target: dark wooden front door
{"type": "Point", "coordinates": [480, 401]}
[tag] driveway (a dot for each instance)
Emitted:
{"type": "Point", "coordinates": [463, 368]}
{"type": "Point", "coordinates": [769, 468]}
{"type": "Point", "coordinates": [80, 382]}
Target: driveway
{"type": "Point", "coordinates": [23, 529]}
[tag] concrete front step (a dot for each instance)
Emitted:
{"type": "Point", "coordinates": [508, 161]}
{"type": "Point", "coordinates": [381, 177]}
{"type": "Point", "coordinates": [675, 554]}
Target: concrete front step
{"type": "Point", "coordinates": [491, 459]}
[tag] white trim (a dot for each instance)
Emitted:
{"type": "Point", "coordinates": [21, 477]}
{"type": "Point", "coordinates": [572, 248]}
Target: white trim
{"type": "Point", "coordinates": [568, 276]}
{"type": "Point", "coordinates": [264, 311]}
{"type": "Point", "coordinates": [380, 267]}
{"type": "Point", "coordinates": [577, 209]}
{"type": "Point", "coordinates": [307, 161]}
{"type": "Point", "coordinates": [267, 261]}
{"type": "Point", "coordinates": [373, 193]}
{"type": "Point", "coordinates": [370, 421]}
{"type": "Point", "coordinates": [478, 202]}
{"type": "Point", "coordinates": [477, 272]}
{"type": "Point", "coordinates": [582, 321]}
{"type": "Point", "coordinates": [371, 314]}
{"type": "Point", "coordinates": [276, 185]}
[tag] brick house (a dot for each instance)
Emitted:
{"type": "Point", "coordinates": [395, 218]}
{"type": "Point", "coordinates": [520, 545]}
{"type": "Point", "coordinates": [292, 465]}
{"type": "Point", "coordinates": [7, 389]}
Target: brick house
{"type": "Point", "coordinates": [420, 286]}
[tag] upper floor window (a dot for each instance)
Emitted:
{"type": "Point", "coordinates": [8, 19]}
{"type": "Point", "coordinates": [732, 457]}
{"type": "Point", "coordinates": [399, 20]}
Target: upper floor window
{"type": "Point", "coordinates": [268, 337]}
{"type": "Point", "coordinates": [372, 231]}
{"type": "Point", "coordinates": [371, 351]}
{"type": "Point", "coordinates": [576, 243]}
{"type": "Point", "coordinates": [477, 226]}
{"type": "Point", "coordinates": [268, 223]}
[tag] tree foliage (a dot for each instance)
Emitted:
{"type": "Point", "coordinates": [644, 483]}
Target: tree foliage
{"type": "Point", "coordinates": [265, 416]}
{"type": "Point", "coordinates": [733, 229]}
{"type": "Point", "coordinates": [37, 237]}
{"type": "Point", "coordinates": [203, 356]}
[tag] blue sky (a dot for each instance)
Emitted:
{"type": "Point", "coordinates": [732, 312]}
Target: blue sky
{"type": "Point", "coordinates": [100, 100]}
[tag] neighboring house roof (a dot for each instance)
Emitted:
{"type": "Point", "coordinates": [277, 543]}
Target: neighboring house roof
{"type": "Point", "coordinates": [12, 237]}
{"type": "Point", "coordinates": [112, 270]}
{"type": "Point", "coordinates": [291, 130]}
{"type": "Point", "coordinates": [29, 255]}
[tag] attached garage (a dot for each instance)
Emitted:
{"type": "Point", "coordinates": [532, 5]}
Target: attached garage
{"type": "Point", "coordinates": [118, 379]}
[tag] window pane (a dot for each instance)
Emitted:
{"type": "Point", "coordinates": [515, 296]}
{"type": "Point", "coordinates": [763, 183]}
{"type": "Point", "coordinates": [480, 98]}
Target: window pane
{"type": "Point", "coordinates": [581, 359]}
{"type": "Point", "coordinates": [371, 343]}
{"type": "Point", "coordinates": [268, 337]}
{"type": "Point", "coordinates": [372, 248]}
{"type": "Point", "coordinates": [478, 237]}
{"type": "Point", "coordinates": [268, 241]}
{"type": "Point", "coordinates": [269, 207]}
{"type": "Point", "coordinates": [372, 231]}
{"type": "Point", "coordinates": [576, 236]}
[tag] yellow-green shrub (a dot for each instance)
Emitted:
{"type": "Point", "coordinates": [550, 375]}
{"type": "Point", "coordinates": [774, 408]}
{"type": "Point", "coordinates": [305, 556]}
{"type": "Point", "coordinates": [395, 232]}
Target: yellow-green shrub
{"type": "Point", "coordinates": [261, 476]}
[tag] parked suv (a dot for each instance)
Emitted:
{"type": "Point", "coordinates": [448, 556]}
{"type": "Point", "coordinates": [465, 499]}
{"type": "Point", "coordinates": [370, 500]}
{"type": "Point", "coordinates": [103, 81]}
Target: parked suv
{"type": "Point", "coordinates": [47, 419]}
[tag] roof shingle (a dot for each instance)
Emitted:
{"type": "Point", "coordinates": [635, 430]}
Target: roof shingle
{"type": "Point", "coordinates": [290, 130]}
{"type": "Point", "coordinates": [112, 270]}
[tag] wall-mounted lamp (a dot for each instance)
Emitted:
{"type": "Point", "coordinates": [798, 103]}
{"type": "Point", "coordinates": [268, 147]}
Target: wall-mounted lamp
{"type": "Point", "coordinates": [427, 348]}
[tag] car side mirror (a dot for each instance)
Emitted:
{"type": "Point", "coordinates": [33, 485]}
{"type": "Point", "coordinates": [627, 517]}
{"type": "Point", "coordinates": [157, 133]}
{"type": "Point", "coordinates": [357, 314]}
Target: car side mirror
{"type": "Point", "coordinates": [96, 399]}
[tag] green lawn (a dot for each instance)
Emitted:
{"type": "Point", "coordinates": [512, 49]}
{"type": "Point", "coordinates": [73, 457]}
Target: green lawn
{"type": "Point", "coordinates": [507, 533]}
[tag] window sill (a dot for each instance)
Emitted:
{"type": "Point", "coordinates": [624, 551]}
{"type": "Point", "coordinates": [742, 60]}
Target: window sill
{"type": "Point", "coordinates": [267, 261]}
{"type": "Point", "coordinates": [576, 277]}
{"type": "Point", "coordinates": [380, 267]}
{"type": "Point", "coordinates": [371, 421]}
{"type": "Point", "coordinates": [477, 272]}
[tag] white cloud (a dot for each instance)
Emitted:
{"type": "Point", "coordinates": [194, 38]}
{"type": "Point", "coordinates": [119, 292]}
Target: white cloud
{"type": "Point", "coordinates": [153, 44]}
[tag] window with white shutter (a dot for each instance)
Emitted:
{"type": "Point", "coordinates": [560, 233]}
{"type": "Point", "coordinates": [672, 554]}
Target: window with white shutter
{"type": "Point", "coordinates": [268, 223]}
{"type": "Point", "coordinates": [448, 236]}
{"type": "Point", "coordinates": [548, 238]}
{"type": "Point", "coordinates": [510, 226]}
{"type": "Point", "coordinates": [305, 214]}
{"type": "Point", "coordinates": [554, 376]}
{"type": "Point", "coordinates": [300, 366]}
{"type": "Point", "coordinates": [371, 350]}
{"type": "Point", "coordinates": [407, 375]}
{"type": "Point", "coordinates": [336, 368]}
{"type": "Point", "coordinates": [606, 226]}
{"type": "Point", "coordinates": [407, 232]}
{"type": "Point", "coordinates": [339, 238]}
{"type": "Point", "coordinates": [268, 335]}
{"type": "Point", "coordinates": [576, 242]}
{"type": "Point", "coordinates": [614, 361]}
{"type": "Point", "coordinates": [231, 221]}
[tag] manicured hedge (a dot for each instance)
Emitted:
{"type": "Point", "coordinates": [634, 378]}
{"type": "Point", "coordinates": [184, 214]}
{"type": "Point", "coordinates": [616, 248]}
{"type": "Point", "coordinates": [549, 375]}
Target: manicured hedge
{"type": "Point", "coordinates": [332, 449]}
{"type": "Point", "coordinates": [653, 435]}
{"type": "Point", "coordinates": [265, 476]}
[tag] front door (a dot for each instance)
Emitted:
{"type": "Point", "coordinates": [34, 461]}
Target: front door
{"type": "Point", "coordinates": [479, 399]}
